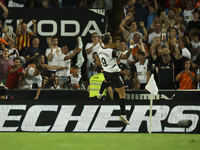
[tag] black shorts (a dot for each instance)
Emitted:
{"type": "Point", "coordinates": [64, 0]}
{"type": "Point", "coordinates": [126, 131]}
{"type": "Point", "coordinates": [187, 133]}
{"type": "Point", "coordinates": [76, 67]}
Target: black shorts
{"type": "Point", "coordinates": [114, 78]}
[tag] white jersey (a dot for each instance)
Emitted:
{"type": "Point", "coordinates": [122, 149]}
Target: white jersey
{"type": "Point", "coordinates": [142, 72]}
{"type": "Point", "coordinates": [131, 58]}
{"type": "Point", "coordinates": [64, 63]}
{"type": "Point", "coordinates": [188, 16]}
{"type": "Point", "coordinates": [108, 57]}
{"type": "Point", "coordinates": [54, 60]}
{"type": "Point", "coordinates": [30, 79]}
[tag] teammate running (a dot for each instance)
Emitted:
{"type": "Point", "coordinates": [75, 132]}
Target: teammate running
{"type": "Point", "coordinates": [111, 71]}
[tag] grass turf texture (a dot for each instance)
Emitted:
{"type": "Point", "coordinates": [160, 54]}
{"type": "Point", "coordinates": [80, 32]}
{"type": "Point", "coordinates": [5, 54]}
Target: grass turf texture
{"type": "Point", "coordinates": [101, 141]}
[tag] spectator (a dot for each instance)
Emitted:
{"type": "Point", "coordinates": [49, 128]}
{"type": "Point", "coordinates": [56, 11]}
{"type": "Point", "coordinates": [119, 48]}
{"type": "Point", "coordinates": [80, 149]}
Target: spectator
{"type": "Point", "coordinates": [179, 3]}
{"type": "Point", "coordinates": [187, 14]}
{"type": "Point", "coordinates": [142, 11]}
{"type": "Point", "coordinates": [187, 77]}
{"type": "Point", "coordinates": [165, 69]}
{"type": "Point", "coordinates": [153, 10]}
{"type": "Point", "coordinates": [5, 62]}
{"type": "Point", "coordinates": [13, 53]}
{"type": "Point", "coordinates": [142, 70]}
{"type": "Point", "coordinates": [52, 55]}
{"type": "Point", "coordinates": [93, 65]}
{"type": "Point", "coordinates": [90, 48]}
{"type": "Point", "coordinates": [3, 94]}
{"type": "Point", "coordinates": [151, 28]}
{"type": "Point", "coordinates": [195, 50]}
{"type": "Point", "coordinates": [127, 78]}
{"type": "Point", "coordinates": [24, 36]}
{"type": "Point", "coordinates": [55, 83]}
{"type": "Point", "coordinates": [64, 60]}
{"type": "Point", "coordinates": [171, 16]}
{"type": "Point", "coordinates": [74, 81]}
{"type": "Point", "coordinates": [156, 33]}
{"type": "Point", "coordinates": [129, 7]}
{"type": "Point", "coordinates": [82, 4]}
{"type": "Point", "coordinates": [177, 58]}
{"type": "Point", "coordinates": [128, 35]}
{"type": "Point", "coordinates": [45, 4]}
{"type": "Point", "coordinates": [133, 85]}
{"type": "Point", "coordinates": [130, 60]}
{"type": "Point", "coordinates": [32, 75]}
{"type": "Point", "coordinates": [182, 42]}
{"type": "Point", "coordinates": [175, 33]}
{"type": "Point", "coordinates": [117, 44]}
{"type": "Point", "coordinates": [40, 61]}
{"type": "Point", "coordinates": [123, 68]}
{"type": "Point", "coordinates": [95, 85]}
{"type": "Point", "coordinates": [33, 51]}
{"type": "Point", "coordinates": [177, 10]}
{"type": "Point", "coordinates": [195, 23]}
{"type": "Point", "coordinates": [13, 74]}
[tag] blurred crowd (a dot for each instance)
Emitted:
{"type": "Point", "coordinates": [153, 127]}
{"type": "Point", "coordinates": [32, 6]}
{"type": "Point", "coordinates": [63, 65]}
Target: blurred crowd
{"type": "Point", "coordinates": [163, 36]}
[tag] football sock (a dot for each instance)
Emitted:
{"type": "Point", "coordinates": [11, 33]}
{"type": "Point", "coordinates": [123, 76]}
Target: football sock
{"type": "Point", "coordinates": [122, 106]}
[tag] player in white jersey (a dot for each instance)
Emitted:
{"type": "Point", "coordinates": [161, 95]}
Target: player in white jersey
{"type": "Point", "coordinates": [111, 71]}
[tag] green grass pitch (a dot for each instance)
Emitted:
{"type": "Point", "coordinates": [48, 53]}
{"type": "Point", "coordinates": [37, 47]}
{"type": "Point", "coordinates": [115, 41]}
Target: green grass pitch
{"type": "Point", "coordinates": [98, 141]}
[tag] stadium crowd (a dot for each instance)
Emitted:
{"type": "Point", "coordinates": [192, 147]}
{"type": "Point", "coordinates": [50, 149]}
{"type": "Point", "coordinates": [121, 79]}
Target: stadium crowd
{"type": "Point", "coordinates": [163, 35]}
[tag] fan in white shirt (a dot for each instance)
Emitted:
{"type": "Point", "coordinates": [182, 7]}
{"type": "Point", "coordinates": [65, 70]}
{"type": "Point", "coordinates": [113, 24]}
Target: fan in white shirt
{"type": "Point", "coordinates": [181, 43]}
{"type": "Point", "coordinates": [187, 13]}
{"type": "Point", "coordinates": [53, 53]}
{"type": "Point", "coordinates": [32, 75]}
{"type": "Point", "coordinates": [90, 48]}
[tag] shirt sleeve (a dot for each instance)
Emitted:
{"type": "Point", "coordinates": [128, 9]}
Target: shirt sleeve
{"type": "Point", "coordinates": [30, 71]}
{"type": "Point", "coordinates": [88, 45]}
{"type": "Point", "coordinates": [116, 54]}
{"type": "Point", "coordinates": [47, 51]}
{"type": "Point", "coordinates": [39, 83]}
{"type": "Point", "coordinates": [10, 67]}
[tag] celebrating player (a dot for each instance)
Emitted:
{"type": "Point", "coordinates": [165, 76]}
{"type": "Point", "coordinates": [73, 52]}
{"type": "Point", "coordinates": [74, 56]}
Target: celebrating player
{"type": "Point", "coordinates": [111, 71]}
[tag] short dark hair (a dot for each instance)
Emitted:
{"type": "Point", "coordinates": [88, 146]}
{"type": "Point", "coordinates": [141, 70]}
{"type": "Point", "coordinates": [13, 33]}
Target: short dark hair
{"type": "Point", "coordinates": [39, 67]}
{"type": "Point", "coordinates": [184, 40]}
{"type": "Point", "coordinates": [106, 38]}
{"type": "Point", "coordinates": [54, 37]}
{"type": "Point", "coordinates": [35, 37]}
{"type": "Point", "coordinates": [49, 36]}
{"type": "Point", "coordinates": [16, 58]}
{"type": "Point", "coordinates": [196, 11]}
{"type": "Point", "coordinates": [170, 9]}
{"type": "Point", "coordinates": [117, 39]}
{"type": "Point", "coordinates": [141, 52]}
{"type": "Point", "coordinates": [129, 12]}
{"type": "Point", "coordinates": [93, 34]}
{"type": "Point", "coordinates": [195, 34]}
{"type": "Point", "coordinates": [75, 67]}
{"type": "Point", "coordinates": [94, 53]}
